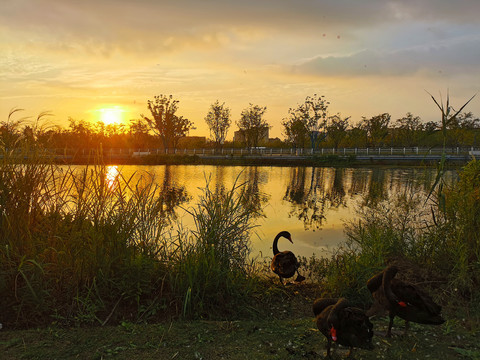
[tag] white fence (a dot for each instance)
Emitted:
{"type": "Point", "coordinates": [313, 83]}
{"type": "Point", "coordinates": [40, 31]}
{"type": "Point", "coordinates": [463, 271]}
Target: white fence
{"type": "Point", "coordinates": [404, 151]}
{"type": "Point", "coordinates": [278, 152]}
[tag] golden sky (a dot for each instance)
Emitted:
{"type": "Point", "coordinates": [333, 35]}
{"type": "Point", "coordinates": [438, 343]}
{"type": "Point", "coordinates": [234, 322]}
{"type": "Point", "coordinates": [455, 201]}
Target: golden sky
{"type": "Point", "coordinates": [75, 58]}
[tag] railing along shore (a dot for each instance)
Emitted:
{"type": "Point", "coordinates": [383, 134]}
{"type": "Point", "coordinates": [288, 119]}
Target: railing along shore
{"type": "Point", "coordinates": [265, 151]}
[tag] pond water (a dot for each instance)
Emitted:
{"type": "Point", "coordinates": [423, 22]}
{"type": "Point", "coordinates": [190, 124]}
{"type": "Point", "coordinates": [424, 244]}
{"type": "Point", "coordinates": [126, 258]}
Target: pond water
{"type": "Point", "coordinates": [311, 203]}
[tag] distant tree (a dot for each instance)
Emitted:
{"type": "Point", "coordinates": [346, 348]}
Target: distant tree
{"type": "Point", "coordinates": [408, 130]}
{"type": "Point", "coordinates": [376, 129]}
{"type": "Point", "coordinates": [430, 127]}
{"type": "Point", "coordinates": [50, 138]}
{"type": "Point", "coordinates": [193, 142]}
{"type": "Point", "coordinates": [218, 120]}
{"type": "Point", "coordinates": [316, 108]}
{"type": "Point", "coordinates": [28, 134]}
{"type": "Point", "coordinates": [462, 129]}
{"type": "Point", "coordinates": [337, 129]}
{"type": "Point", "coordinates": [252, 124]}
{"type": "Point", "coordinates": [295, 128]}
{"type": "Point", "coordinates": [138, 131]}
{"type": "Point", "coordinates": [313, 114]}
{"type": "Point", "coordinates": [81, 134]}
{"type": "Point", "coordinates": [115, 129]}
{"type": "Point", "coordinates": [165, 123]}
{"type": "Point", "coordinates": [99, 128]}
{"type": "Point", "coordinates": [468, 121]}
{"type": "Point", "coordinates": [356, 136]}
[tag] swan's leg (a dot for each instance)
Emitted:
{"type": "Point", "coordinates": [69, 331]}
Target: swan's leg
{"type": "Point", "coordinates": [299, 278]}
{"type": "Point", "coordinates": [407, 326]}
{"type": "Point", "coordinates": [390, 324]}
{"type": "Point", "coordinates": [329, 345]}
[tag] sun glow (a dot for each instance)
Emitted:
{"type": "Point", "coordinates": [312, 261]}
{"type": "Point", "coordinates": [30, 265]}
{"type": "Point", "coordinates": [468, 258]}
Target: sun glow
{"type": "Point", "coordinates": [111, 176]}
{"type": "Point", "coordinates": [112, 115]}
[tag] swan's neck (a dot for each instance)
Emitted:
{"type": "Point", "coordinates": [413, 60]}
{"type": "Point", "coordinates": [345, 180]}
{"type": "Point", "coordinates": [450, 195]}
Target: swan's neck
{"type": "Point", "coordinates": [386, 283]}
{"type": "Point", "coordinates": [340, 305]}
{"type": "Point", "coordinates": [275, 245]}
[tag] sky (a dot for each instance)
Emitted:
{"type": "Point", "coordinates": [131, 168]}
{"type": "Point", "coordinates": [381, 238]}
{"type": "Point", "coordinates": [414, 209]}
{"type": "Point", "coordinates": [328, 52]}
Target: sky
{"type": "Point", "coordinates": [104, 59]}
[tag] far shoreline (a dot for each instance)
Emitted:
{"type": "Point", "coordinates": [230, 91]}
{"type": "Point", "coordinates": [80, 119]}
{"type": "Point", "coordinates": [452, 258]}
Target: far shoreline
{"type": "Point", "coordinates": [267, 160]}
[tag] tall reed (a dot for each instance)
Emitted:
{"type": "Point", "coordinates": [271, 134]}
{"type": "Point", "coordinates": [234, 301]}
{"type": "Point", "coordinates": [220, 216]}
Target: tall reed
{"type": "Point", "coordinates": [214, 269]}
{"type": "Point", "coordinates": [80, 247]}
{"type": "Point", "coordinates": [72, 242]}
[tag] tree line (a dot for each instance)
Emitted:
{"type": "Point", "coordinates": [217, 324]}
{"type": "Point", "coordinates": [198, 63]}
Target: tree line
{"type": "Point", "coordinates": [308, 125]}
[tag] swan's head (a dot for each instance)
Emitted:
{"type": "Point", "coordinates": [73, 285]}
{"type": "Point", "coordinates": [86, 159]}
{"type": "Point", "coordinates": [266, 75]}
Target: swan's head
{"type": "Point", "coordinates": [391, 270]}
{"type": "Point", "coordinates": [286, 235]}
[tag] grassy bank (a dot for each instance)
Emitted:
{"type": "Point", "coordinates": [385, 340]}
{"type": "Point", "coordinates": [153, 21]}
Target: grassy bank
{"type": "Point", "coordinates": [294, 338]}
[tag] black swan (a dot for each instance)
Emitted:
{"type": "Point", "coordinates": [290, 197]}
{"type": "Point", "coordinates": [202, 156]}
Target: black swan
{"type": "Point", "coordinates": [284, 263]}
{"type": "Point", "coordinates": [402, 299]}
{"type": "Point", "coordinates": [342, 323]}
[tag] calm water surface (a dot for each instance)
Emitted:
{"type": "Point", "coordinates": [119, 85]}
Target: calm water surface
{"type": "Point", "coordinates": [311, 203]}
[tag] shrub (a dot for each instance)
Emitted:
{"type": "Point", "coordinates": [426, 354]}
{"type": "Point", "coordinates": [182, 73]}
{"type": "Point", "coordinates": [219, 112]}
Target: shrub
{"type": "Point", "coordinates": [435, 239]}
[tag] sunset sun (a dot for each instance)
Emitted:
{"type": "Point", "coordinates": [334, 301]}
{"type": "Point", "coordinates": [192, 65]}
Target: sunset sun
{"type": "Point", "coordinates": [112, 115]}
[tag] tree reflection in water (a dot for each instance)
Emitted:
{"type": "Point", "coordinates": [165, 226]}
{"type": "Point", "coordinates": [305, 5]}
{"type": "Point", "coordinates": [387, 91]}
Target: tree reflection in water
{"type": "Point", "coordinates": [255, 199]}
{"type": "Point", "coordinates": [171, 196]}
{"type": "Point", "coordinates": [314, 191]}
{"type": "Point", "coordinates": [311, 199]}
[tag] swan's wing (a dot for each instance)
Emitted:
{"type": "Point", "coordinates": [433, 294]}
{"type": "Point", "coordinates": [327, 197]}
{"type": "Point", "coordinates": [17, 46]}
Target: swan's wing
{"type": "Point", "coordinates": [321, 304]}
{"type": "Point", "coordinates": [284, 263]}
{"type": "Point", "coordinates": [411, 294]}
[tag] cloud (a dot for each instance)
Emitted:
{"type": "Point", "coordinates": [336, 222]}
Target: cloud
{"type": "Point", "coordinates": [459, 55]}
{"type": "Point", "coordinates": [152, 26]}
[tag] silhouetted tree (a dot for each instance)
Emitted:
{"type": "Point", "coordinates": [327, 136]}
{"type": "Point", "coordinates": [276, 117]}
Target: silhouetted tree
{"type": "Point", "coordinates": [295, 128]}
{"type": "Point", "coordinates": [462, 129]}
{"type": "Point", "coordinates": [252, 124]}
{"type": "Point", "coordinates": [316, 111]}
{"type": "Point", "coordinates": [356, 137]}
{"type": "Point", "coordinates": [218, 121]}
{"type": "Point", "coordinates": [165, 123]}
{"type": "Point", "coordinates": [376, 129]}
{"type": "Point", "coordinates": [138, 131]}
{"type": "Point", "coordinates": [337, 129]}
{"type": "Point", "coordinates": [408, 130]}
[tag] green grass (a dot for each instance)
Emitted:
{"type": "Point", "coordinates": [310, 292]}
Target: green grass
{"type": "Point", "coordinates": [293, 337]}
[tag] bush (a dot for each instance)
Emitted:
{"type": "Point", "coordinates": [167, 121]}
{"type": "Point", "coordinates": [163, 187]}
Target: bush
{"type": "Point", "coordinates": [435, 240]}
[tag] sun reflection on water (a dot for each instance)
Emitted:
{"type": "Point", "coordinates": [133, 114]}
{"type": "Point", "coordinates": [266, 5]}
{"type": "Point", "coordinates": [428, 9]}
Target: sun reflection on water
{"type": "Point", "coordinates": [111, 176]}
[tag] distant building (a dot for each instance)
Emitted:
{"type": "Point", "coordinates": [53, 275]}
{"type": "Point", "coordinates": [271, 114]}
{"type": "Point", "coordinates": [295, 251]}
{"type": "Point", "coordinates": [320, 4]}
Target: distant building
{"type": "Point", "coordinates": [192, 142]}
{"type": "Point", "coordinates": [239, 136]}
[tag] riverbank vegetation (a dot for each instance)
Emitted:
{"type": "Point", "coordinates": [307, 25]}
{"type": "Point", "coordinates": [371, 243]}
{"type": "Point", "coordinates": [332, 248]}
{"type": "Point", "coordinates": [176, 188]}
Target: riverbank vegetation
{"type": "Point", "coordinates": [88, 248]}
{"type": "Point", "coordinates": [85, 248]}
